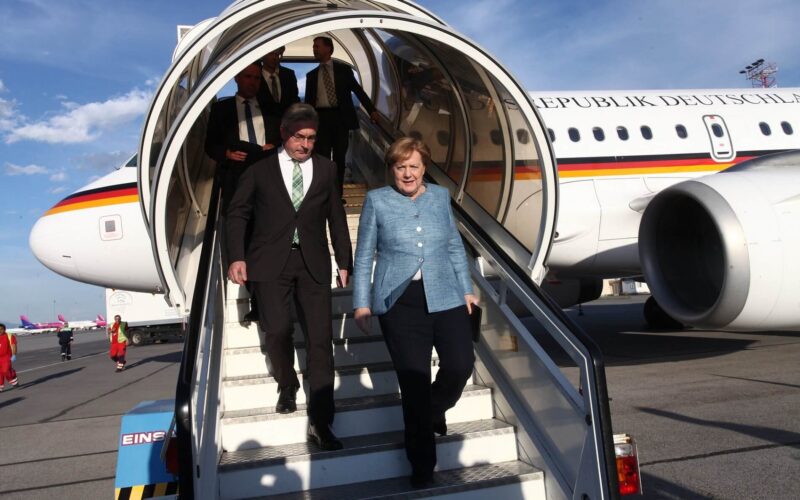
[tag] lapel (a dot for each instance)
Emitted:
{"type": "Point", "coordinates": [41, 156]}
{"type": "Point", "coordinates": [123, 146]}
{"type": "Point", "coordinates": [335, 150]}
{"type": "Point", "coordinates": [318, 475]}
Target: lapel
{"type": "Point", "coordinates": [317, 180]}
{"type": "Point", "coordinates": [273, 173]}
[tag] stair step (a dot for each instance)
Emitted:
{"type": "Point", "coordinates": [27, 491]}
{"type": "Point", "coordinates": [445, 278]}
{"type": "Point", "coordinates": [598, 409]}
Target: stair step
{"type": "Point", "coordinates": [261, 391]}
{"type": "Point", "coordinates": [507, 480]}
{"type": "Point", "coordinates": [301, 466]}
{"type": "Point", "coordinates": [258, 427]}
{"type": "Point", "coordinates": [248, 334]}
{"type": "Point", "coordinates": [347, 352]}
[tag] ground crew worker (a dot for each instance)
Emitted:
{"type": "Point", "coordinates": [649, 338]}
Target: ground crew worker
{"type": "Point", "coordinates": [65, 339]}
{"type": "Point", "coordinates": [8, 354]}
{"type": "Point", "coordinates": [119, 341]}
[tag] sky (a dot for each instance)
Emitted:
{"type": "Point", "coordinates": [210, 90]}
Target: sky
{"type": "Point", "coordinates": [76, 77]}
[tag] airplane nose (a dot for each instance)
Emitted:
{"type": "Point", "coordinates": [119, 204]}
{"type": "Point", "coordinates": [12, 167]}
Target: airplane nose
{"type": "Point", "coordinates": [52, 247]}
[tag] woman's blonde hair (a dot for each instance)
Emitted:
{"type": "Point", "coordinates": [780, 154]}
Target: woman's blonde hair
{"type": "Point", "coordinates": [403, 148]}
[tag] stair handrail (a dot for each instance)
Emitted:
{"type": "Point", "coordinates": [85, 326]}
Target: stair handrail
{"type": "Point", "coordinates": [575, 341]}
{"type": "Point", "coordinates": [184, 410]}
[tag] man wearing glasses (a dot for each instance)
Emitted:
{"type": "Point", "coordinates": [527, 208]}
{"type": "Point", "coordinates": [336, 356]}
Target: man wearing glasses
{"type": "Point", "coordinates": [291, 197]}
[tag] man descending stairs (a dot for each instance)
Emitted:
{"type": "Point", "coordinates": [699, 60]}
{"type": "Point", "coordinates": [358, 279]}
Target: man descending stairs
{"type": "Point", "coordinates": [267, 453]}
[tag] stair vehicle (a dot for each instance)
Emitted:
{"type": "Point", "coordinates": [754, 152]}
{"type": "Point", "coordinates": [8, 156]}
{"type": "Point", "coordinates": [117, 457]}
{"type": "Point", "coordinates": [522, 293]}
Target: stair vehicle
{"type": "Point", "coordinates": [534, 421]}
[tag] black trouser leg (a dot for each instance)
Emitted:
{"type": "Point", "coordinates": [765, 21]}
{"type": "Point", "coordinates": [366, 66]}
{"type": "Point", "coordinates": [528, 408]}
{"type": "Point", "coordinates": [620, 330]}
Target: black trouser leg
{"type": "Point", "coordinates": [274, 313]}
{"type": "Point", "coordinates": [340, 144]}
{"type": "Point", "coordinates": [334, 138]}
{"type": "Point", "coordinates": [408, 331]}
{"type": "Point", "coordinates": [453, 342]}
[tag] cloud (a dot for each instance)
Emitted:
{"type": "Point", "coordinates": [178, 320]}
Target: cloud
{"type": "Point", "coordinates": [12, 169]}
{"type": "Point", "coordinates": [8, 118]}
{"type": "Point", "coordinates": [3, 87]}
{"type": "Point", "coordinates": [59, 189]}
{"type": "Point", "coordinates": [103, 162]}
{"type": "Point", "coordinates": [84, 123]}
{"type": "Point", "coordinates": [59, 176]}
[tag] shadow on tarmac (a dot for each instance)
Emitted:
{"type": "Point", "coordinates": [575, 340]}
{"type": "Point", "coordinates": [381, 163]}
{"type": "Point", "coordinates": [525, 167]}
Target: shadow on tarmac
{"type": "Point", "coordinates": [52, 376]}
{"type": "Point", "coordinates": [170, 357]}
{"type": "Point", "coordinates": [10, 402]}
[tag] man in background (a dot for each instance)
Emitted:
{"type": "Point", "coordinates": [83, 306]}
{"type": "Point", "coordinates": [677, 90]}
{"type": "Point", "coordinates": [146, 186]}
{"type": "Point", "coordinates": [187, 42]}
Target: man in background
{"type": "Point", "coordinates": [8, 354]}
{"type": "Point", "coordinates": [277, 91]}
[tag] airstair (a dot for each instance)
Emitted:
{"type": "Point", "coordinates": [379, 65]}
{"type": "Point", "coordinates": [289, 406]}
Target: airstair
{"type": "Point", "coordinates": [533, 422]}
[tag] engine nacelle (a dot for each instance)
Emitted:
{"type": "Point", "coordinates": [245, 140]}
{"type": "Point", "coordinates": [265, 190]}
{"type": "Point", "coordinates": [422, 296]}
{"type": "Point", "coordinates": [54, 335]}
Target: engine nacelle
{"type": "Point", "coordinates": [722, 251]}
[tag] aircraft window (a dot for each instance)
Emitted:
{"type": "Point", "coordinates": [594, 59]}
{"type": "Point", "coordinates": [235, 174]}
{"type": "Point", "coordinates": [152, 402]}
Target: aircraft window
{"type": "Point", "coordinates": [681, 131]}
{"type": "Point", "coordinates": [716, 128]}
{"type": "Point", "coordinates": [574, 135]}
{"type": "Point", "coordinates": [646, 132]}
{"type": "Point", "coordinates": [787, 128]}
{"type": "Point", "coordinates": [765, 128]}
{"type": "Point", "coordinates": [622, 133]}
{"type": "Point", "coordinates": [496, 136]}
{"type": "Point", "coordinates": [523, 136]}
{"type": "Point", "coordinates": [552, 135]}
{"type": "Point", "coordinates": [598, 133]}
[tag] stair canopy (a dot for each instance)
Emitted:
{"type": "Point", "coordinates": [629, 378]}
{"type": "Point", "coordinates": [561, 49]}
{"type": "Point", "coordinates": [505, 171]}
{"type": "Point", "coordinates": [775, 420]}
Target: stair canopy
{"type": "Point", "coordinates": [426, 81]}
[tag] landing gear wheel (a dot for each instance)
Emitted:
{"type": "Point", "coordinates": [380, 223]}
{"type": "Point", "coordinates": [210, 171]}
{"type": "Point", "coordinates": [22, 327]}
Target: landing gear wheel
{"type": "Point", "coordinates": [137, 338]}
{"type": "Point", "coordinates": [658, 319]}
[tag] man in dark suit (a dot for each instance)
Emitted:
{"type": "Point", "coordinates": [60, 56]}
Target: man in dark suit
{"type": "Point", "coordinates": [328, 89]}
{"type": "Point", "coordinates": [290, 197]}
{"type": "Point", "coordinates": [277, 91]}
{"type": "Point", "coordinates": [236, 137]}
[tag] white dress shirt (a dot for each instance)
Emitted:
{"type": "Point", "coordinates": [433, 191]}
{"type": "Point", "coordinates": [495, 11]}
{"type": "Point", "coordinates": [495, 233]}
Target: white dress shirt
{"type": "Point", "coordinates": [287, 167]}
{"type": "Point", "coordinates": [258, 120]}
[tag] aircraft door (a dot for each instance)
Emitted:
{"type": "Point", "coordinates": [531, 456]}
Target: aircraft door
{"type": "Point", "coordinates": [721, 144]}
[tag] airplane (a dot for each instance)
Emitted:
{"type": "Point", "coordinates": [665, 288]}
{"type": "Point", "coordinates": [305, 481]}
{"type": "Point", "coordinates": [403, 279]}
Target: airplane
{"type": "Point", "coordinates": [82, 324]}
{"type": "Point", "coordinates": [100, 322]}
{"type": "Point", "coordinates": [39, 327]}
{"type": "Point", "coordinates": [640, 194]}
{"type": "Point", "coordinates": [615, 151]}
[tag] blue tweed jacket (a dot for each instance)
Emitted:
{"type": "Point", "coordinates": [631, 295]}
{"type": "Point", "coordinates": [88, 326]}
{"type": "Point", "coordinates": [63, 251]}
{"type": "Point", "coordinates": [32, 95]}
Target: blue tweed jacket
{"type": "Point", "coordinates": [404, 235]}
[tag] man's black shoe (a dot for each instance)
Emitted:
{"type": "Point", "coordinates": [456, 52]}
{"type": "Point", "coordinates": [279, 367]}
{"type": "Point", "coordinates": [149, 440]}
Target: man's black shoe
{"type": "Point", "coordinates": [419, 481]}
{"type": "Point", "coordinates": [323, 437]}
{"type": "Point", "coordinates": [440, 425]}
{"type": "Point", "coordinates": [251, 316]}
{"type": "Point", "coordinates": [287, 400]}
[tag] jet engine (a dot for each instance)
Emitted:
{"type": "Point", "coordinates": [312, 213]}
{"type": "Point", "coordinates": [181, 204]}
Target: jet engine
{"type": "Point", "coordinates": [721, 251]}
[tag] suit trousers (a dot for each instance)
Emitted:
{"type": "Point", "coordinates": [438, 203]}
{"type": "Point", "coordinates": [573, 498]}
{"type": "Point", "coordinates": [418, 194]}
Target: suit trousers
{"type": "Point", "coordinates": [411, 332]}
{"type": "Point", "coordinates": [333, 139]}
{"type": "Point", "coordinates": [296, 286]}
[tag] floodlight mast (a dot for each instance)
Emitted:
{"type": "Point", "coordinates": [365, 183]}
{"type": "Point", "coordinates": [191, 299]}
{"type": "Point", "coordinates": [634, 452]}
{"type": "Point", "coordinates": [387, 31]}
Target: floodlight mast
{"type": "Point", "coordinates": [761, 74]}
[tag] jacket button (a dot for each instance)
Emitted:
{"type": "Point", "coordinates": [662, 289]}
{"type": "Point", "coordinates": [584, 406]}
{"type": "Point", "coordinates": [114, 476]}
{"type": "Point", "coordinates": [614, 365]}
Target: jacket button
{"type": "Point", "coordinates": [419, 244]}
{"type": "Point", "coordinates": [419, 229]}
{"type": "Point", "coordinates": [421, 259]}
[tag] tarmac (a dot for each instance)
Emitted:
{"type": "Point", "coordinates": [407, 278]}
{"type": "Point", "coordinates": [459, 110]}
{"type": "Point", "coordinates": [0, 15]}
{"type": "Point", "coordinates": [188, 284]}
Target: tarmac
{"type": "Point", "coordinates": [715, 414]}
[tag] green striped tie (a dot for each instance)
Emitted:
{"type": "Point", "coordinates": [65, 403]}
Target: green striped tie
{"type": "Point", "coordinates": [297, 193]}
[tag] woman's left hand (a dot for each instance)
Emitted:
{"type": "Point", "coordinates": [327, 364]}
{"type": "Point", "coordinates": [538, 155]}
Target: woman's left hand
{"type": "Point", "coordinates": [470, 300]}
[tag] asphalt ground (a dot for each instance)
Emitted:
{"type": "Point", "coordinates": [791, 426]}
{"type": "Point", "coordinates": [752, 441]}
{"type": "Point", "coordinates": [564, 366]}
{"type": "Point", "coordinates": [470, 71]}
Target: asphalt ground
{"type": "Point", "coordinates": [715, 414]}
{"type": "Point", "coordinates": [59, 428]}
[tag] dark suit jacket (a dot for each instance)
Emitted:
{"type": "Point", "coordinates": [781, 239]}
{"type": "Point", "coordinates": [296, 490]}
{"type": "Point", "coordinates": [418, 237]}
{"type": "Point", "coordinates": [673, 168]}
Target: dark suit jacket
{"type": "Point", "coordinates": [289, 96]}
{"type": "Point", "coordinates": [223, 133]}
{"type": "Point", "coordinates": [261, 196]}
{"type": "Point", "coordinates": [345, 82]}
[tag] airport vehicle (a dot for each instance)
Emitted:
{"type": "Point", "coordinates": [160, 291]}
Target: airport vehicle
{"type": "Point", "coordinates": [491, 149]}
{"type": "Point", "coordinates": [41, 327]}
{"type": "Point", "coordinates": [150, 318]}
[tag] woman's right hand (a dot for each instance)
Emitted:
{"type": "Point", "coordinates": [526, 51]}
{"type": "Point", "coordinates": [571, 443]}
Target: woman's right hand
{"type": "Point", "coordinates": [363, 317]}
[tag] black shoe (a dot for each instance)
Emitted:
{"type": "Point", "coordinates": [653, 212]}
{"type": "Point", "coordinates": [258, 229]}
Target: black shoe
{"type": "Point", "coordinates": [63, 357]}
{"type": "Point", "coordinates": [322, 436]}
{"type": "Point", "coordinates": [440, 425]}
{"type": "Point", "coordinates": [287, 400]}
{"type": "Point", "coordinates": [251, 316]}
{"type": "Point", "coordinates": [69, 358]}
{"type": "Point", "coordinates": [344, 202]}
{"type": "Point", "coordinates": [419, 481]}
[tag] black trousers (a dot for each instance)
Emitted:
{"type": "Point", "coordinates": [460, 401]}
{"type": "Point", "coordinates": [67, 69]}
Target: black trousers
{"type": "Point", "coordinates": [411, 332]}
{"type": "Point", "coordinates": [333, 139]}
{"type": "Point", "coordinates": [295, 285]}
{"type": "Point", "coordinates": [66, 349]}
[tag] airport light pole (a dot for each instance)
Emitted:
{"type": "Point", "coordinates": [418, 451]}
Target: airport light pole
{"type": "Point", "coordinates": [761, 74]}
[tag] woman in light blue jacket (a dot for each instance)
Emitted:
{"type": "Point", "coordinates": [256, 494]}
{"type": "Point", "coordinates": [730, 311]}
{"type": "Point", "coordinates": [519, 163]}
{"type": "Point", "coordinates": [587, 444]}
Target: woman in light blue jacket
{"type": "Point", "coordinates": [421, 292]}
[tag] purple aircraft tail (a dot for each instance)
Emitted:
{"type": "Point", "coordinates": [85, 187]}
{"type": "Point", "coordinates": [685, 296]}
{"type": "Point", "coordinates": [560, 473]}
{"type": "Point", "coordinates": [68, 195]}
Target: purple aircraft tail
{"type": "Point", "coordinates": [25, 322]}
{"type": "Point", "coordinates": [61, 318]}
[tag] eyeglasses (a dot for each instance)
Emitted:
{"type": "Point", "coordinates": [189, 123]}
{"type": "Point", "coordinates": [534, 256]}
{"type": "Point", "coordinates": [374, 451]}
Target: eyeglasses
{"type": "Point", "coordinates": [303, 138]}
